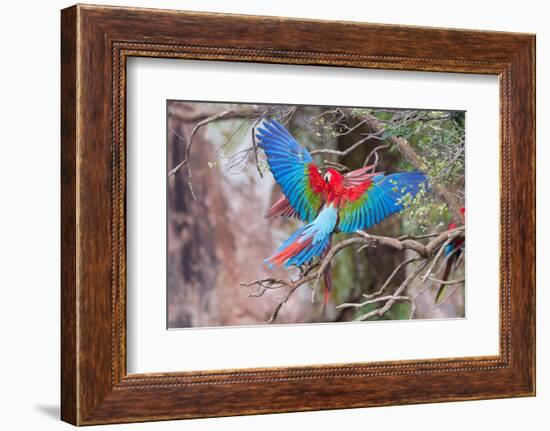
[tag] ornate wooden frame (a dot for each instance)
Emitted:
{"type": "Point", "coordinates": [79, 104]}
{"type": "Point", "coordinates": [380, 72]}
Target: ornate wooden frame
{"type": "Point", "coordinates": [95, 42]}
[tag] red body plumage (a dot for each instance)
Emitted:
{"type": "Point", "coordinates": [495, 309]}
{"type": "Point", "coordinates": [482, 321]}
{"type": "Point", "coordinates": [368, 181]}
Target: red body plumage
{"type": "Point", "coordinates": [318, 184]}
{"type": "Point", "coordinates": [339, 193]}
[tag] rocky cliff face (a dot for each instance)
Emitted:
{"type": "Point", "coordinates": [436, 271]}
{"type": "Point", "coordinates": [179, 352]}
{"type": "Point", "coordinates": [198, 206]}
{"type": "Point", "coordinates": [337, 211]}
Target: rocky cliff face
{"type": "Point", "coordinates": [220, 239]}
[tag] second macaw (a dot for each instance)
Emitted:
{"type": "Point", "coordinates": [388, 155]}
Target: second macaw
{"type": "Point", "coordinates": [453, 253]}
{"type": "Point", "coordinates": [328, 203]}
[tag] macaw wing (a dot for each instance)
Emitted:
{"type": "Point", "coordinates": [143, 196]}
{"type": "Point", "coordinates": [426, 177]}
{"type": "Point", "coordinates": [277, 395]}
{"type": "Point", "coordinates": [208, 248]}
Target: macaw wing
{"type": "Point", "coordinates": [293, 168]}
{"type": "Point", "coordinates": [384, 197]}
{"type": "Point", "coordinates": [281, 208]}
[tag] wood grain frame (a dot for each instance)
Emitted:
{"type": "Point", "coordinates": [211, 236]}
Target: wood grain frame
{"type": "Point", "coordinates": [96, 41]}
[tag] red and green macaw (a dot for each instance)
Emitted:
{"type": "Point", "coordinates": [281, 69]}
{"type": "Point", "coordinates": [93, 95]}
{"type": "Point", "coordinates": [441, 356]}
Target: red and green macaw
{"type": "Point", "coordinates": [328, 203]}
{"type": "Point", "coordinates": [453, 253]}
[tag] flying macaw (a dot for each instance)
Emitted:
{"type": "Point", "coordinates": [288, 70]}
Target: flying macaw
{"type": "Point", "coordinates": [328, 203]}
{"type": "Point", "coordinates": [453, 253]}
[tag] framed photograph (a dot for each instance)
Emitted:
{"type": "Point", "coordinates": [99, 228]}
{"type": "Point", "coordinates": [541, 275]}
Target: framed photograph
{"type": "Point", "coordinates": [259, 185]}
{"type": "Point", "coordinates": [254, 210]}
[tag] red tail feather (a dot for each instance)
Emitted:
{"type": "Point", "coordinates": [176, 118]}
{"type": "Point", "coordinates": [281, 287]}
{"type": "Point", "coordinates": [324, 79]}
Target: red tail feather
{"type": "Point", "coordinates": [328, 288]}
{"type": "Point", "coordinates": [292, 250]}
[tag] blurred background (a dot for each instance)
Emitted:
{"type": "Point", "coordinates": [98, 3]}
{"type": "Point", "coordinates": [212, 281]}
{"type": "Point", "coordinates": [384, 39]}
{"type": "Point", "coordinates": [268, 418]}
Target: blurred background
{"type": "Point", "coordinates": [218, 236]}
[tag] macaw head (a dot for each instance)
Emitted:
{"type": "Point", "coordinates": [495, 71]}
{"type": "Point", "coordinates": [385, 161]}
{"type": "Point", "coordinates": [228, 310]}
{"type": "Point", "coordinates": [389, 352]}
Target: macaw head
{"type": "Point", "coordinates": [333, 177]}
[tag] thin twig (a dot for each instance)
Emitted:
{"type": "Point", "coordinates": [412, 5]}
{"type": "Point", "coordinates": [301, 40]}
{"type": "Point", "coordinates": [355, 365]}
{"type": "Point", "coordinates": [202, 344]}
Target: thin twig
{"type": "Point", "coordinates": [343, 152]}
{"type": "Point", "coordinates": [391, 277]}
{"type": "Point", "coordinates": [291, 290]}
{"type": "Point", "coordinates": [457, 281]}
{"type": "Point", "coordinates": [375, 153]}
{"type": "Point", "coordinates": [204, 122]}
{"type": "Point", "coordinates": [255, 144]}
{"type": "Point", "coordinates": [397, 294]}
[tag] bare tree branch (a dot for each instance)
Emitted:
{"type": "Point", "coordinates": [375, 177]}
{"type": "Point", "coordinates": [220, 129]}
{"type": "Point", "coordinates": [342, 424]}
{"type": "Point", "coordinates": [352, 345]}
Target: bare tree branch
{"type": "Point", "coordinates": [425, 254]}
{"type": "Point", "coordinates": [187, 114]}
{"type": "Point", "coordinates": [457, 281]}
{"type": "Point", "coordinates": [391, 277]}
{"type": "Point", "coordinates": [272, 283]}
{"type": "Point", "coordinates": [395, 297]}
{"type": "Point", "coordinates": [348, 150]}
{"type": "Point", "coordinates": [381, 299]}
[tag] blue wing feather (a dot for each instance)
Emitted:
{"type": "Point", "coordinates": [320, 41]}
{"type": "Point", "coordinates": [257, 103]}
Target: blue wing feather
{"type": "Point", "coordinates": [289, 162]}
{"type": "Point", "coordinates": [385, 197]}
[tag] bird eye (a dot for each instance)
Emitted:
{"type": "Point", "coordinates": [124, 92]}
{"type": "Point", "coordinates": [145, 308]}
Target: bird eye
{"type": "Point", "coordinates": [327, 177]}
